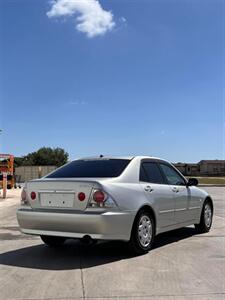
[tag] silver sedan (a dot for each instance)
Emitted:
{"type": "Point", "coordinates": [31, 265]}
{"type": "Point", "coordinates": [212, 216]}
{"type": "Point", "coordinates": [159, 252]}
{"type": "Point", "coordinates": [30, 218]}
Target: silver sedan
{"type": "Point", "coordinates": [113, 198]}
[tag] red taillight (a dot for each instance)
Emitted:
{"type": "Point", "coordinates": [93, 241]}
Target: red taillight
{"type": "Point", "coordinates": [81, 196]}
{"type": "Point", "coordinates": [99, 196]}
{"type": "Point", "coordinates": [23, 195]}
{"type": "Point", "coordinates": [33, 195]}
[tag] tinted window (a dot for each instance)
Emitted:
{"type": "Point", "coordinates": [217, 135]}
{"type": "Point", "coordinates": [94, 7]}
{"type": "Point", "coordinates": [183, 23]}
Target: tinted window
{"type": "Point", "coordinates": [143, 175]}
{"type": "Point", "coordinates": [172, 176]}
{"type": "Point", "coordinates": [91, 168]}
{"type": "Point", "coordinates": [150, 172]}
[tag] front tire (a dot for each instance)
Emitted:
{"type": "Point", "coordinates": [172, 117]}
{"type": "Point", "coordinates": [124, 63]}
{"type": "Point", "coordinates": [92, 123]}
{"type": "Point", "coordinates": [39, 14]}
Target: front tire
{"type": "Point", "coordinates": [143, 233]}
{"type": "Point", "coordinates": [206, 218]}
{"type": "Point", "coordinates": [53, 241]}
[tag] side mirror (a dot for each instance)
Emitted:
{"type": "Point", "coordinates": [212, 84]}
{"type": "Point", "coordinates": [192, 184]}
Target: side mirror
{"type": "Point", "coordinates": [192, 182]}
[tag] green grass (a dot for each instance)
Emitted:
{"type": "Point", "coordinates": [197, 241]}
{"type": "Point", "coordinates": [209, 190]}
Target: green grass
{"type": "Point", "coordinates": [211, 180]}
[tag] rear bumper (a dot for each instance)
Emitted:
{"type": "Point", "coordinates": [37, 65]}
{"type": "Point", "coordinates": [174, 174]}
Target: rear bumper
{"type": "Point", "coordinates": [105, 226]}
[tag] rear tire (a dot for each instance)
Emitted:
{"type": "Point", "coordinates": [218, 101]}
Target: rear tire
{"type": "Point", "coordinates": [53, 241]}
{"type": "Point", "coordinates": [206, 218]}
{"type": "Point", "coordinates": [143, 233]}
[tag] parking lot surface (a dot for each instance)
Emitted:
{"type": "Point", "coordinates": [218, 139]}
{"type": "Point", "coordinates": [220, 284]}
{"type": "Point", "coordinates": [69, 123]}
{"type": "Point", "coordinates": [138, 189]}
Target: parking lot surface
{"type": "Point", "coordinates": [182, 264]}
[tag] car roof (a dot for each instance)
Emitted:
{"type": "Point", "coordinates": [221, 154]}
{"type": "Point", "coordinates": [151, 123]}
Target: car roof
{"type": "Point", "coordinates": [129, 157]}
{"type": "Point", "coordinates": [106, 157]}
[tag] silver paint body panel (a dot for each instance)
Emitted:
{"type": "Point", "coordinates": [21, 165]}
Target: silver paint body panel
{"type": "Point", "coordinates": [171, 209]}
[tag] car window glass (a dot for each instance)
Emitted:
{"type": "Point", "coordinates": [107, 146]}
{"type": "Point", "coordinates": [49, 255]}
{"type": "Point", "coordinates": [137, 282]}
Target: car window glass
{"type": "Point", "coordinates": [171, 175]}
{"type": "Point", "coordinates": [91, 168]}
{"type": "Point", "coordinates": [143, 175]}
{"type": "Point", "coordinates": [150, 172]}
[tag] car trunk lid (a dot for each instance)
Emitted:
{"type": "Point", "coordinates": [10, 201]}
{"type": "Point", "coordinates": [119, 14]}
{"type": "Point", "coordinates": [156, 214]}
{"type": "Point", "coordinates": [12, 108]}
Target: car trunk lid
{"type": "Point", "coordinates": [60, 193]}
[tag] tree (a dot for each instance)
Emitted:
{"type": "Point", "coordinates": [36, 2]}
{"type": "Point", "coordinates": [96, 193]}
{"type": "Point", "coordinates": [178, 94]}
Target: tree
{"type": "Point", "coordinates": [44, 156]}
{"type": "Point", "coordinates": [18, 161]}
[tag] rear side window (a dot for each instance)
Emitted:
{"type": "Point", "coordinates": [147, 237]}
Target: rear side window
{"type": "Point", "coordinates": [91, 168]}
{"type": "Point", "coordinates": [150, 172]}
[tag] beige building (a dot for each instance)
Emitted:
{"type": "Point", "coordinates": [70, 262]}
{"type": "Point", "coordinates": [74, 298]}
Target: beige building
{"type": "Point", "coordinates": [212, 167]}
{"type": "Point", "coordinates": [203, 168]}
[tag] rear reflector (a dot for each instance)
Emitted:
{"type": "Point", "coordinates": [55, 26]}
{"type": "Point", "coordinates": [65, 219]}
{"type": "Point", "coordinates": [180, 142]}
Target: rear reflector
{"type": "Point", "coordinates": [33, 195]}
{"type": "Point", "coordinates": [81, 196]}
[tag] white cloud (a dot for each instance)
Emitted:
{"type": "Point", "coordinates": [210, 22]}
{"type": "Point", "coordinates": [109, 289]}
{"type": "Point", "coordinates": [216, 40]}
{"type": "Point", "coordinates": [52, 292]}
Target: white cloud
{"type": "Point", "coordinates": [77, 102]}
{"type": "Point", "coordinates": [90, 17]}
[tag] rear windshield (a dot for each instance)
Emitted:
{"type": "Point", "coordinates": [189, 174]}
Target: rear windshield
{"type": "Point", "coordinates": [91, 168]}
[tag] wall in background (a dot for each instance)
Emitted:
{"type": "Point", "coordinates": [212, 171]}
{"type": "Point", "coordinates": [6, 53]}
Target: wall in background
{"type": "Point", "coordinates": [26, 173]}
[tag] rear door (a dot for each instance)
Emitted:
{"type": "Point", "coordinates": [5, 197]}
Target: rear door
{"type": "Point", "coordinates": [157, 192]}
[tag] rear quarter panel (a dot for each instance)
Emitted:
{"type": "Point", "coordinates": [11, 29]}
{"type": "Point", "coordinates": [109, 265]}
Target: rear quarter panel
{"type": "Point", "coordinates": [128, 196]}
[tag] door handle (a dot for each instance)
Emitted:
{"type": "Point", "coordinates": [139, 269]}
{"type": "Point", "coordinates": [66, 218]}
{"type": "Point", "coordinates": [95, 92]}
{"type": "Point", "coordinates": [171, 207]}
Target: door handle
{"type": "Point", "coordinates": [175, 190]}
{"type": "Point", "coordinates": [148, 188]}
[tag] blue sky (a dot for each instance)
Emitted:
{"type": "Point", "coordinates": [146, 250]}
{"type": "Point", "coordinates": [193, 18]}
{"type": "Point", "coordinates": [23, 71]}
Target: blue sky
{"type": "Point", "coordinates": [151, 84]}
